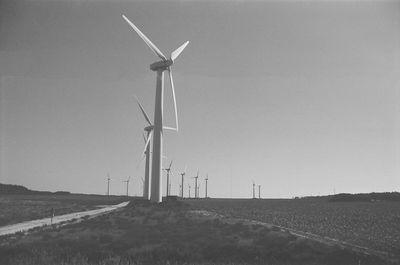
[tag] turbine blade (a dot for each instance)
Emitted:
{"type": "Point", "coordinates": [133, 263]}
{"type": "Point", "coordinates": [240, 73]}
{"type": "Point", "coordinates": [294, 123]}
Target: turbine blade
{"type": "Point", "coordinates": [144, 138]}
{"type": "Point", "coordinates": [143, 112]}
{"type": "Point", "coordinates": [169, 128]}
{"type": "Point", "coordinates": [178, 51]}
{"type": "Point", "coordinates": [141, 160]}
{"type": "Point", "coordinates": [173, 95]}
{"type": "Point", "coordinates": [146, 40]}
{"type": "Point", "coordinates": [147, 142]}
{"type": "Point", "coordinates": [170, 164]}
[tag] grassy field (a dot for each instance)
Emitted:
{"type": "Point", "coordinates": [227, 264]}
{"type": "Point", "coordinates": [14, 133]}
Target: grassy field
{"type": "Point", "coordinates": [170, 233]}
{"type": "Point", "coordinates": [374, 225]}
{"type": "Point", "coordinates": [19, 208]}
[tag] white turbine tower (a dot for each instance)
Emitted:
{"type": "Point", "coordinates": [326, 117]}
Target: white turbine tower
{"type": "Point", "coordinates": [168, 184]}
{"type": "Point", "coordinates": [259, 191]}
{"type": "Point", "coordinates": [182, 176]}
{"type": "Point", "coordinates": [127, 185]}
{"type": "Point", "coordinates": [206, 179]}
{"type": "Point", "coordinates": [254, 190]}
{"type": "Point", "coordinates": [195, 185]}
{"type": "Point", "coordinates": [108, 184]}
{"type": "Point", "coordinates": [159, 67]}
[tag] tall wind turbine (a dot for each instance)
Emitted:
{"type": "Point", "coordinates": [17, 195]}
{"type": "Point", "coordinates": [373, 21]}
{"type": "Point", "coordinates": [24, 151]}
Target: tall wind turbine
{"type": "Point", "coordinates": [168, 186]}
{"type": "Point", "coordinates": [148, 129]}
{"type": "Point", "coordinates": [206, 185]}
{"type": "Point", "coordinates": [159, 67]}
{"type": "Point", "coordinates": [127, 185]}
{"type": "Point", "coordinates": [182, 176]}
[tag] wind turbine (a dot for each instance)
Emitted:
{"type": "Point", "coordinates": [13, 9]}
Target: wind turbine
{"type": "Point", "coordinates": [168, 170]}
{"type": "Point", "coordinates": [182, 176]}
{"type": "Point", "coordinates": [127, 185]}
{"type": "Point", "coordinates": [148, 129]}
{"type": "Point", "coordinates": [254, 190]}
{"type": "Point", "coordinates": [189, 190]}
{"type": "Point", "coordinates": [159, 67]}
{"type": "Point", "coordinates": [259, 191]}
{"type": "Point", "coordinates": [108, 184]}
{"type": "Point", "coordinates": [195, 185]}
{"type": "Point", "coordinates": [206, 185]}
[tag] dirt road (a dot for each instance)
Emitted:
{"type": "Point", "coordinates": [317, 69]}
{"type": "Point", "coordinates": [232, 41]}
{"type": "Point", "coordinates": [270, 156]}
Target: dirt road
{"type": "Point", "coordinates": [12, 229]}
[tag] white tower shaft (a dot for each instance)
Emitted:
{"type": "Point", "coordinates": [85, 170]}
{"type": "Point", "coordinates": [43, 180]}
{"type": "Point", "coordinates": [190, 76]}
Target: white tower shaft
{"type": "Point", "coordinates": [147, 182]}
{"type": "Point", "coordinates": [156, 174]}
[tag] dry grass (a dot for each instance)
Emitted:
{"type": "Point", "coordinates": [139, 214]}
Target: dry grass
{"type": "Point", "coordinates": [19, 208]}
{"type": "Point", "coordinates": [370, 224]}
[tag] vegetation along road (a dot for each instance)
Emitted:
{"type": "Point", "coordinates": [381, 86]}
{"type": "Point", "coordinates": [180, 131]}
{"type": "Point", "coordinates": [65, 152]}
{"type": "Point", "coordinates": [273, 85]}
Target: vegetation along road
{"type": "Point", "coordinates": [11, 229]}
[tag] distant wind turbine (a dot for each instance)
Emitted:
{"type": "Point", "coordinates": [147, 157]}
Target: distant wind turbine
{"type": "Point", "coordinates": [108, 184]}
{"type": "Point", "coordinates": [168, 169]}
{"type": "Point", "coordinates": [195, 185]}
{"type": "Point", "coordinates": [259, 191]}
{"type": "Point", "coordinates": [254, 190]}
{"type": "Point", "coordinates": [206, 185]}
{"type": "Point", "coordinates": [189, 190]}
{"type": "Point", "coordinates": [127, 185]}
{"type": "Point", "coordinates": [182, 176]}
{"type": "Point", "coordinates": [159, 67]}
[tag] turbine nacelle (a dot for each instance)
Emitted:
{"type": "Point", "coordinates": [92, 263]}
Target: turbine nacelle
{"type": "Point", "coordinates": [161, 65]}
{"type": "Point", "coordinates": [149, 128]}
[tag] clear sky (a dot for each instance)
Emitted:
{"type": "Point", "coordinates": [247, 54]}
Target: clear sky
{"type": "Point", "coordinates": [303, 97]}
